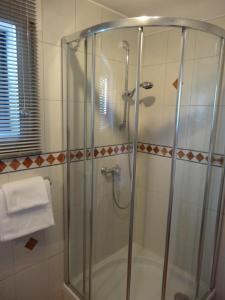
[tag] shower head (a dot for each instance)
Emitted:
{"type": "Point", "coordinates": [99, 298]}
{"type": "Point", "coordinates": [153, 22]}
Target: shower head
{"type": "Point", "coordinates": [125, 45]}
{"type": "Point", "coordinates": [146, 85]}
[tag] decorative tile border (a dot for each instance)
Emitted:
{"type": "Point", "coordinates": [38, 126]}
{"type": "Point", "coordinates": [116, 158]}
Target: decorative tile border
{"type": "Point", "coordinates": [184, 154]}
{"type": "Point", "coordinates": [100, 152]}
{"type": "Point", "coordinates": [56, 158]}
{"type": "Point", "coordinates": [32, 162]}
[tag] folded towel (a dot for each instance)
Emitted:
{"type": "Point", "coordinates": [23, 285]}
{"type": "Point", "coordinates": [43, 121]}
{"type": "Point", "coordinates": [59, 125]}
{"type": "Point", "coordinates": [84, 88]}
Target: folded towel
{"type": "Point", "coordinates": [24, 222]}
{"type": "Point", "coordinates": [25, 194]}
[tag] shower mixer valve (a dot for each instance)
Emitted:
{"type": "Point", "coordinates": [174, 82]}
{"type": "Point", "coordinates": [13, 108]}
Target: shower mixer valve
{"type": "Point", "coordinates": [114, 170]}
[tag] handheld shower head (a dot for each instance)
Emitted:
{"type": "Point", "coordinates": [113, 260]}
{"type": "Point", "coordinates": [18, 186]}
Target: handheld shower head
{"type": "Point", "coordinates": [146, 85]}
{"type": "Point", "coordinates": [125, 45]}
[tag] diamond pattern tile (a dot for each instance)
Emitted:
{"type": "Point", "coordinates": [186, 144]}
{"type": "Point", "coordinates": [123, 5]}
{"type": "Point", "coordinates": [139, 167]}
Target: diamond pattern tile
{"type": "Point", "coordinates": [2, 166]}
{"type": "Point", "coordinates": [116, 149]}
{"type": "Point", "coordinates": [175, 83]}
{"type": "Point", "coordinates": [156, 149]}
{"type": "Point", "coordinates": [14, 164]}
{"type": "Point", "coordinates": [190, 155]}
{"type": "Point", "coordinates": [27, 162]}
{"type": "Point", "coordinates": [142, 147]}
{"type": "Point", "coordinates": [180, 154]}
{"type": "Point", "coordinates": [79, 155]}
{"type": "Point", "coordinates": [199, 157]}
{"type": "Point", "coordinates": [61, 157]}
{"type": "Point", "coordinates": [39, 160]}
{"type": "Point", "coordinates": [31, 243]}
{"type": "Point", "coordinates": [149, 148]}
{"type": "Point", "coordinates": [50, 159]}
{"type": "Point", "coordinates": [164, 151]}
{"type": "Point", "coordinates": [110, 150]}
{"type": "Point", "coordinates": [122, 148]}
{"type": "Point", "coordinates": [103, 151]}
{"type": "Point", "coordinates": [96, 152]}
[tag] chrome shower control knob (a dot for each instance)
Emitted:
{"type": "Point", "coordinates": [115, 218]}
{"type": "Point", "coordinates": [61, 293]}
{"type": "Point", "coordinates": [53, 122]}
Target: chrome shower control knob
{"type": "Point", "coordinates": [104, 171]}
{"type": "Point", "coordinates": [114, 170]}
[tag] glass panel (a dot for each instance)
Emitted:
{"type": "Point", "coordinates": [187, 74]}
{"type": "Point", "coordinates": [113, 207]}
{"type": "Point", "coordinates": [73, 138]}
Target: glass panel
{"type": "Point", "coordinates": [214, 195]}
{"type": "Point", "coordinates": [196, 115]}
{"type": "Point", "coordinates": [156, 127]}
{"type": "Point", "coordinates": [75, 92]}
{"type": "Point", "coordinates": [112, 160]}
{"type": "Point", "coordinates": [100, 188]}
{"type": "Point", "coordinates": [79, 168]}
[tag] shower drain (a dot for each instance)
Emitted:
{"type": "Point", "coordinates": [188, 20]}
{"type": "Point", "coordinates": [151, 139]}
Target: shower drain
{"type": "Point", "coordinates": [180, 296]}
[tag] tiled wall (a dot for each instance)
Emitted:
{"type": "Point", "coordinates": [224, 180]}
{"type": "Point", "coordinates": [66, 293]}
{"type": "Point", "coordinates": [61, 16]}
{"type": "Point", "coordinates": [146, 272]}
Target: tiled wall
{"type": "Point", "coordinates": [38, 274]}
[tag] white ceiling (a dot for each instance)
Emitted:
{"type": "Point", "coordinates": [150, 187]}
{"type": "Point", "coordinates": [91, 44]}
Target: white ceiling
{"type": "Point", "coordinates": [198, 9]}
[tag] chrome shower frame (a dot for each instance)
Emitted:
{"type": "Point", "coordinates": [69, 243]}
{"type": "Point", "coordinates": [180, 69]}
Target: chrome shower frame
{"type": "Point", "coordinates": [139, 23]}
{"type": "Point", "coordinates": [126, 47]}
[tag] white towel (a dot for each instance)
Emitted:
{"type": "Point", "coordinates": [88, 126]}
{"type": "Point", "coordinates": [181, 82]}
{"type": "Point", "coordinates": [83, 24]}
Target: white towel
{"type": "Point", "coordinates": [24, 222]}
{"type": "Point", "coordinates": [25, 194]}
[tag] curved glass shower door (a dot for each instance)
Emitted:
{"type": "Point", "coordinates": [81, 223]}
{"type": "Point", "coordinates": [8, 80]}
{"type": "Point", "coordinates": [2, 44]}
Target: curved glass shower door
{"type": "Point", "coordinates": [194, 188]}
{"type": "Point", "coordinates": [114, 74]}
{"type": "Point", "coordinates": [145, 162]}
{"type": "Point", "coordinates": [100, 189]}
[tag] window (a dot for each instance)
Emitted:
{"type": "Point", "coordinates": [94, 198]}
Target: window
{"type": "Point", "coordinates": [19, 103]}
{"type": "Point", "coordinates": [9, 81]}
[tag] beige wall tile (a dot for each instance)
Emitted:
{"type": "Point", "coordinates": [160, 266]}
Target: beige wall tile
{"type": "Point", "coordinates": [155, 48]}
{"type": "Point", "coordinates": [24, 257]}
{"type": "Point", "coordinates": [54, 236]}
{"type": "Point", "coordinates": [7, 289]}
{"type": "Point", "coordinates": [52, 72]}
{"type": "Point", "coordinates": [53, 126]}
{"type": "Point", "coordinates": [6, 260]}
{"type": "Point", "coordinates": [32, 283]}
{"type": "Point", "coordinates": [204, 81]}
{"type": "Point", "coordinates": [56, 276]}
{"type": "Point", "coordinates": [58, 20]}
{"type": "Point", "coordinates": [206, 45]}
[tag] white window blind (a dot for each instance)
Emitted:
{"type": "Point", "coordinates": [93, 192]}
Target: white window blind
{"type": "Point", "coordinates": [19, 103]}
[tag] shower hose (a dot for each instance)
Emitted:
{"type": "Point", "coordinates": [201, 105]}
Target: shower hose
{"type": "Point", "coordinates": [115, 196]}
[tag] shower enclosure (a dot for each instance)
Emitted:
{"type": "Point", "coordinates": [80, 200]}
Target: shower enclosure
{"type": "Point", "coordinates": [144, 172]}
